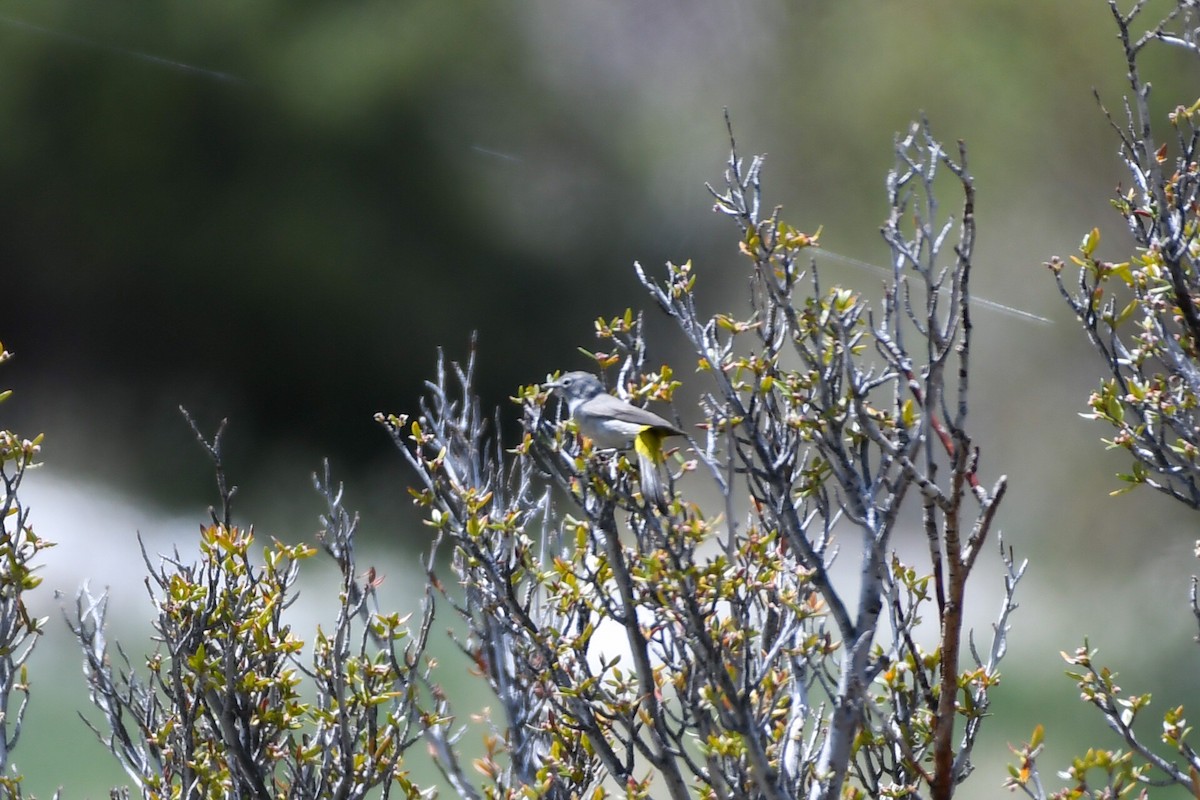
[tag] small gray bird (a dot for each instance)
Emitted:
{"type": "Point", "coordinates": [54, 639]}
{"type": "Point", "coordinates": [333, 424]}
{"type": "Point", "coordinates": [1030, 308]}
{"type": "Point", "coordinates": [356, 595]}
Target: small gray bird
{"type": "Point", "coordinates": [613, 423]}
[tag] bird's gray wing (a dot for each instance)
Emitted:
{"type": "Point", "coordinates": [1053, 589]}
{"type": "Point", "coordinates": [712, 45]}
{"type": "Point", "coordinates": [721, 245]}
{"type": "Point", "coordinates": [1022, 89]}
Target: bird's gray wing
{"type": "Point", "coordinates": [609, 406]}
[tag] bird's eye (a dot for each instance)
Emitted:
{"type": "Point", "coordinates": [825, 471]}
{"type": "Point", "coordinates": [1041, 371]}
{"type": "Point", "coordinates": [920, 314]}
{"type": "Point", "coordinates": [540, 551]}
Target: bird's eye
{"type": "Point", "coordinates": [567, 381]}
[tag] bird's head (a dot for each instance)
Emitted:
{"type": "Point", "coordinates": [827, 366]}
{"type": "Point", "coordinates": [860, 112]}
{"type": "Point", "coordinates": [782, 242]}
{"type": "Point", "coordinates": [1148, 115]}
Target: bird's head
{"type": "Point", "coordinates": [576, 387]}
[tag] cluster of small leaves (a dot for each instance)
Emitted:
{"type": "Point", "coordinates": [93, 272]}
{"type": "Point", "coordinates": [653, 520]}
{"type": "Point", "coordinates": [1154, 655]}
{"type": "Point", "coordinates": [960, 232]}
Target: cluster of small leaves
{"type": "Point", "coordinates": [844, 437]}
{"type": "Point", "coordinates": [20, 548]}
{"type": "Point", "coordinates": [1143, 314]}
{"type": "Point", "coordinates": [525, 644]}
{"type": "Point", "coordinates": [1102, 773]}
{"type": "Point", "coordinates": [218, 710]}
{"type": "Point", "coordinates": [711, 652]}
{"type": "Point", "coordinates": [1095, 774]}
{"type": "Point", "coordinates": [1151, 399]}
{"type": "Point", "coordinates": [616, 658]}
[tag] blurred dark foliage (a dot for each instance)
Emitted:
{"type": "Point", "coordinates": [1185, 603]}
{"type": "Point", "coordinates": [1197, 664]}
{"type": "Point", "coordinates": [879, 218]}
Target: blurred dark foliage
{"type": "Point", "coordinates": [280, 218]}
{"type": "Point", "coordinates": [278, 211]}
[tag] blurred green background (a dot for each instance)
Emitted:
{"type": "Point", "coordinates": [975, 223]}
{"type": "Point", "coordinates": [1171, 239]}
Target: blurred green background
{"type": "Point", "coordinates": [278, 212]}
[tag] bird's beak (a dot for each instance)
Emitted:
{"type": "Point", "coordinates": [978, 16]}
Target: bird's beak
{"type": "Point", "coordinates": [551, 385]}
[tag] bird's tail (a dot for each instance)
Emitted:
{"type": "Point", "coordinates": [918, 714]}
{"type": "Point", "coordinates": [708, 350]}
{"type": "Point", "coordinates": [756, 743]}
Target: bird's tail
{"type": "Point", "coordinates": [648, 446]}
